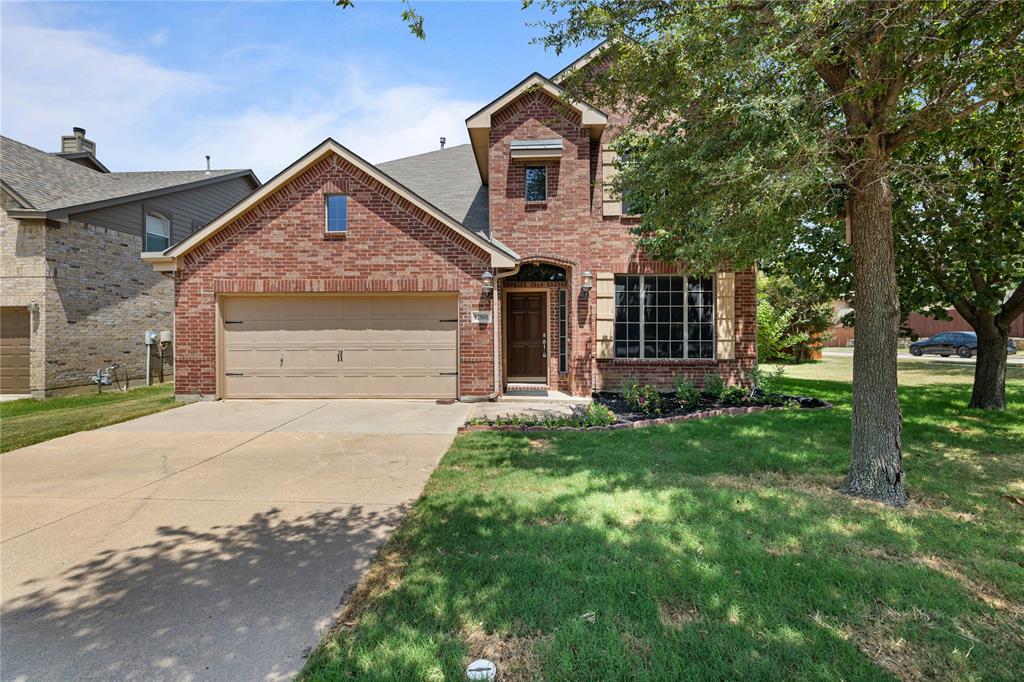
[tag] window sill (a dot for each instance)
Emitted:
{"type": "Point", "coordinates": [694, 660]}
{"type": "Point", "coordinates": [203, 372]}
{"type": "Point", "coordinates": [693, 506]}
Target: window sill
{"type": "Point", "coordinates": [335, 236]}
{"type": "Point", "coordinates": [658, 361]}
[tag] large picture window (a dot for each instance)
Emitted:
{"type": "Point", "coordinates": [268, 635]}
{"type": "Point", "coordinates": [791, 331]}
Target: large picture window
{"type": "Point", "coordinates": [664, 316]}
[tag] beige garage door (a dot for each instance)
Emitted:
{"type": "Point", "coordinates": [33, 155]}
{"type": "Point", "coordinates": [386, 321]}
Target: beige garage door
{"type": "Point", "coordinates": [388, 346]}
{"type": "Point", "coordinates": [14, 350]}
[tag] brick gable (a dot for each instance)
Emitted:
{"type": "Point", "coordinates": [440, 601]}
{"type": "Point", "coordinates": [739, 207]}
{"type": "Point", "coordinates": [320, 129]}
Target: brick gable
{"type": "Point", "coordinates": [280, 247]}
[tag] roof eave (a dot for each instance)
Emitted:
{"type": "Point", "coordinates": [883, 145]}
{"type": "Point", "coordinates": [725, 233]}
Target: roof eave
{"type": "Point", "coordinates": [479, 123]}
{"type": "Point", "coordinates": [62, 212]}
{"type": "Point", "coordinates": [499, 256]}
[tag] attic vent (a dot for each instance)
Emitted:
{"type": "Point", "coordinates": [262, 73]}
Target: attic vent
{"type": "Point", "coordinates": [535, 149]}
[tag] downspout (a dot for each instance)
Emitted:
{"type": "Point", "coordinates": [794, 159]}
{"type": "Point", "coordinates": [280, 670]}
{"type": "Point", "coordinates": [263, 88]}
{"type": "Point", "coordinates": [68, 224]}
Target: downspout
{"type": "Point", "coordinates": [496, 323]}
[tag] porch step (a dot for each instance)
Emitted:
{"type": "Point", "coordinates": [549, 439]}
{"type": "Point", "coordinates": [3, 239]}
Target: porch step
{"type": "Point", "coordinates": [525, 388]}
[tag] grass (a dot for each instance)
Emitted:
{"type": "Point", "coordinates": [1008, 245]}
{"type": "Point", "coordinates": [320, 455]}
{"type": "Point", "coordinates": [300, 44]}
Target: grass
{"type": "Point", "coordinates": [921, 372]}
{"type": "Point", "coordinates": [29, 421]}
{"type": "Point", "coordinates": [709, 550]}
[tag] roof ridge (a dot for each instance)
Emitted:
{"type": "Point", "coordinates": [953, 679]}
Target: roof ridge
{"type": "Point", "coordinates": [432, 151]}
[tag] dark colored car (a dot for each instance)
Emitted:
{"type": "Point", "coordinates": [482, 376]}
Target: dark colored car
{"type": "Point", "coordinates": [964, 344]}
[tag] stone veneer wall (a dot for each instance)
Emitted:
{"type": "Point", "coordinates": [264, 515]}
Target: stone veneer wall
{"type": "Point", "coordinates": [96, 298]}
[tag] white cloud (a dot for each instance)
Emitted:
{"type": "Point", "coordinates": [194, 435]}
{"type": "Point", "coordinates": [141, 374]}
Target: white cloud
{"type": "Point", "coordinates": [145, 116]}
{"type": "Point", "coordinates": [54, 79]}
{"type": "Point", "coordinates": [158, 38]}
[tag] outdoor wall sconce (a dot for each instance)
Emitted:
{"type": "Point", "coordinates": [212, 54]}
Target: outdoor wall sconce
{"type": "Point", "coordinates": [488, 282]}
{"type": "Point", "coordinates": [588, 282]}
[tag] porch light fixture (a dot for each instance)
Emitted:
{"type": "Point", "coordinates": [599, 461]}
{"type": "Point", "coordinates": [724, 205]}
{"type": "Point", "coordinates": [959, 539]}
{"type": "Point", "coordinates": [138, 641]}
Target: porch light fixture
{"type": "Point", "coordinates": [588, 282]}
{"type": "Point", "coordinates": [488, 282]}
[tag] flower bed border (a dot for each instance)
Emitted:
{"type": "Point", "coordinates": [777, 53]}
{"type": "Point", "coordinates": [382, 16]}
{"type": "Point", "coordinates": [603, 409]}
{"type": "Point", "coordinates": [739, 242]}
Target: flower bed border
{"type": "Point", "coordinates": [639, 424]}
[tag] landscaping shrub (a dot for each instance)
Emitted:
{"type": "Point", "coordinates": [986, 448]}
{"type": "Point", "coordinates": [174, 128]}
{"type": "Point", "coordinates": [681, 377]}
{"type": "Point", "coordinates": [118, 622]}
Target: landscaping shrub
{"type": "Point", "coordinates": [687, 394]}
{"type": "Point", "coordinates": [599, 415]}
{"type": "Point", "coordinates": [734, 396]}
{"type": "Point", "coordinates": [595, 415]}
{"type": "Point", "coordinates": [768, 381]}
{"type": "Point", "coordinates": [713, 386]}
{"type": "Point", "coordinates": [642, 398]}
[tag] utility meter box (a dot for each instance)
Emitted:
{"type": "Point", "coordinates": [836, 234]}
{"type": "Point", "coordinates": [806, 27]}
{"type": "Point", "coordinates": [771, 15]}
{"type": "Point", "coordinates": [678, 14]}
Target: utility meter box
{"type": "Point", "coordinates": [165, 336]}
{"type": "Point", "coordinates": [150, 338]}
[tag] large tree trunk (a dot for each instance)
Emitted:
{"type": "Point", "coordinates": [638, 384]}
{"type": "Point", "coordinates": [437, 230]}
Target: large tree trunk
{"type": "Point", "coordinates": [990, 371]}
{"type": "Point", "coordinates": [876, 458]}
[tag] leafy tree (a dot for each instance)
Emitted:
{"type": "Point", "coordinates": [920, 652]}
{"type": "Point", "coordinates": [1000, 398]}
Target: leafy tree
{"type": "Point", "coordinates": [796, 317]}
{"type": "Point", "coordinates": [960, 210]}
{"type": "Point", "coordinates": [959, 217]}
{"type": "Point", "coordinates": [774, 339]}
{"type": "Point", "coordinates": [752, 120]}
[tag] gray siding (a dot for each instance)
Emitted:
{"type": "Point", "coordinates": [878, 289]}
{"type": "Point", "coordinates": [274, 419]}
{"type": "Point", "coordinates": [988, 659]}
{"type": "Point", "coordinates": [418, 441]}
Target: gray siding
{"type": "Point", "coordinates": [189, 210]}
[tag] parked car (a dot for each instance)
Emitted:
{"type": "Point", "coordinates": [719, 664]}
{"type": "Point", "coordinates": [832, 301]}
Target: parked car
{"type": "Point", "coordinates": [964, 344]}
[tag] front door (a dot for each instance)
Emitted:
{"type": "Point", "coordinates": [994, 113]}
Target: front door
{"type": "Point", "coordinates": [527, 337]}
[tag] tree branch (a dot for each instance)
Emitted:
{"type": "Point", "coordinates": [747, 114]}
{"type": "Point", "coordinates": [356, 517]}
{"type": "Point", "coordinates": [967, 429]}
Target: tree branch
{"type": "Point", "coordinates": [1013, 307]}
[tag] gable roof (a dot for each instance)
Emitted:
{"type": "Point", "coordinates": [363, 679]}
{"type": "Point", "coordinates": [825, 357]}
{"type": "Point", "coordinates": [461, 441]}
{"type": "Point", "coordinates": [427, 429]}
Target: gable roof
{"type": "Point", "coordinates": [170, 260]}
{"type": "Point", "coordinates": [49, 186]}
{"type": "Point", "coordinates": [448, 179]}
{"type": "Point", "coordinates": [587, 57]}
{"type": "Point", "coordinates": [479, 124]}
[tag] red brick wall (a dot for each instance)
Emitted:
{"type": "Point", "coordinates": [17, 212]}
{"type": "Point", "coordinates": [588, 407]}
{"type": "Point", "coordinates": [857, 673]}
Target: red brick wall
{"type": "Point", "coordinates": [280, 247]}
{"type": "Point", "coordinates": [569, 229]}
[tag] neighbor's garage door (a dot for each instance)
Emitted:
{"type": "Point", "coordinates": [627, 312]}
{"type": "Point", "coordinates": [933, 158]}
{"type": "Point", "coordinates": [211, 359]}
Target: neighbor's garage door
{"type": "Point", "coordinates": [14, 350]}
{"type": "Point", "coordinates": [387, 346]}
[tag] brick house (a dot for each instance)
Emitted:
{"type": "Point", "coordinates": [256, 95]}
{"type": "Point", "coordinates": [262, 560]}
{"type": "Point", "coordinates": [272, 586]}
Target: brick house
{"type": "Point", "coordinates": [75, 296]}
{"type": "Point", "coordinates": [469, 272]}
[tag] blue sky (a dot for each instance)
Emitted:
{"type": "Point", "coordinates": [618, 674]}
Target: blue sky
{"type": "Point", "coordinates": [158, 85]}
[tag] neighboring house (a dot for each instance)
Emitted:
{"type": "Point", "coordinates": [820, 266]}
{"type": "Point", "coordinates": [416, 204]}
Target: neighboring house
{"type": "Point", "coordinates": [468, 272]}
{"type": "Point", "coordinates": [75, 296]}
{"type": "Point", "coordinates": [921, 326]}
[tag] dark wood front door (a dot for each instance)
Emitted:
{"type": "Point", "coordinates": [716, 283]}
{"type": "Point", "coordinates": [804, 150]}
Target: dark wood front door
{"type": "Point", "coordinates": [527, 337]}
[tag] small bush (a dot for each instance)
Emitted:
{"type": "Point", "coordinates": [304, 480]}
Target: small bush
{"type": "Point", "coordinates": [598, 415]}
{"type": "Point", "coordinates": [642, 398]}
{"type": "Point", "coordinates": [734, 396]}
{"type": "Point", "coordinates": [687, 394]}
{"type": "Point", "coordinates": [768, 381]}
{"type": "Point", "coordinates": [713, 386]}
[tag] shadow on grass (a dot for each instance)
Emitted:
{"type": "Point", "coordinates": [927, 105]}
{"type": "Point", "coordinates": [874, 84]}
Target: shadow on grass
{"type": "Point", "coordinates": [233, 602]}
{"type": "Point", "coordinates": [708, 550]}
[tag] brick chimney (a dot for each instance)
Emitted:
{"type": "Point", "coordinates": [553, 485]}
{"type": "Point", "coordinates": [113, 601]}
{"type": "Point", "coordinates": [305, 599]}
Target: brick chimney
{"type": "Point", "coordinates": [76, 142]}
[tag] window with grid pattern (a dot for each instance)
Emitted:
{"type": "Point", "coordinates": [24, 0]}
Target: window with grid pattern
{"type": "Point", "coordinates": [664, 316]}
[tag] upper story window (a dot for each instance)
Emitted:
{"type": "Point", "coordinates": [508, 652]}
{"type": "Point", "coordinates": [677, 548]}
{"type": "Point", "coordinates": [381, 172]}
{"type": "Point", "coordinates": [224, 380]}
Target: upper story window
{"type": "Point", "coordinates": [536, 183]}
{"type": "Point", "coordinates": [664, 316]}
{"type": "Point", "coordinates": [158, 231]}
{"type": "Point", "coordinates": [337, 213]}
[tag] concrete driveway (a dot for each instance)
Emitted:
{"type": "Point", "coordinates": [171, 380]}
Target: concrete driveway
{"type": "Point", "coordinates": [214, 541]}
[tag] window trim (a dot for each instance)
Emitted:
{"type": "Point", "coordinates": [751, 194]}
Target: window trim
{"type": "Point", "coordinates": [327, 213]}
{"type": "Point", "coordinates": [160, 213]}
{"type": "Point", "coordinates": [686, 306]}
{"type": "Point", "coordinates": [526, 183]}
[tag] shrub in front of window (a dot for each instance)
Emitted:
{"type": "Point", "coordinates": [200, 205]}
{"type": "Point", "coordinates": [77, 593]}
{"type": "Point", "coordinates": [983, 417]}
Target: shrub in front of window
{"type": "Point", "coordinates": [734, 396]}
{"type": "Point", "coordinates": [687, 394]}
{"type": "Point", "coordinates": [714, 385]}
{"type": "Point", "coordinates": [642, 398]}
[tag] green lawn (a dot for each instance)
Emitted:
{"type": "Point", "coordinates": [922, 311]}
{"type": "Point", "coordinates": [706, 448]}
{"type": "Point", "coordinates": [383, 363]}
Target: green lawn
{"type": "Point", "coordinates": [24, 422]}
{"type": "Point", "coordinates": [708, 550]}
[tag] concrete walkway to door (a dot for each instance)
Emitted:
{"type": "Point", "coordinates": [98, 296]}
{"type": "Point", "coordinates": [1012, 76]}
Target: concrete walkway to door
{"type": "Point", "coordinates": [214, 541]}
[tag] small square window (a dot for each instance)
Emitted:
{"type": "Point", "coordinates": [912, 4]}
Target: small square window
{"type": "Point", "coordinates": [536, 183]}
{"type": "Point", "coordinates": [337, 218]}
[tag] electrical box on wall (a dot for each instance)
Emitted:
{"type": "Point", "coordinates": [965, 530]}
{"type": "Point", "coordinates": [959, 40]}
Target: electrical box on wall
{"type": "Point", "coordinates": [150, 338]}
{"type": "Point", "coordinates": [165, 336]}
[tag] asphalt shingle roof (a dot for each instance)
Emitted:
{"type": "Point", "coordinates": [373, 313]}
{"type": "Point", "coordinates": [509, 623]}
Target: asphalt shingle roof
{"type": "Point", "coordinates": [49, 182]}
{"type": "Point", "coordinates": [449, 179]}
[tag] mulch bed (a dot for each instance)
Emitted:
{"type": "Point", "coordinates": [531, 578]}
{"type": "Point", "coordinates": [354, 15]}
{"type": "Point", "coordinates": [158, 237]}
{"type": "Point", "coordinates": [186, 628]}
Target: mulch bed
{"type": "Point", "coordinates": [672, 413]}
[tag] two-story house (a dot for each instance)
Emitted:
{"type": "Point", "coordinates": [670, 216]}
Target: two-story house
{"type": "Point", "coordinates": [468, 272]}
{"type": "Point", "coordinates": [74, 296]}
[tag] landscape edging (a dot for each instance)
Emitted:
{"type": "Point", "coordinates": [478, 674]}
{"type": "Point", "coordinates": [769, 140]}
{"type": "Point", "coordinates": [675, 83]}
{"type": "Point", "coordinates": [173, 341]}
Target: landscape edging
{"type": "Point", "coordinates": [639, 424]}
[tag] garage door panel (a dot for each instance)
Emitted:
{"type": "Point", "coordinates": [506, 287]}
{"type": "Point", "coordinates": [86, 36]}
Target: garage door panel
{"type": "Point", "coordinates": [392, 346]}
